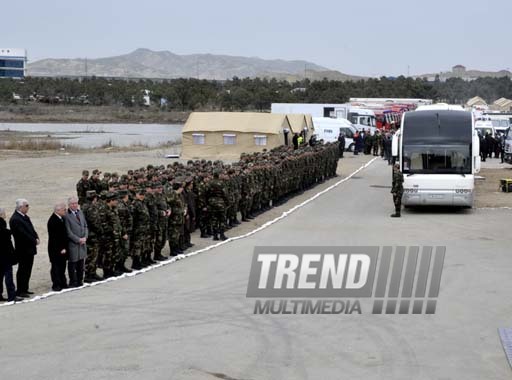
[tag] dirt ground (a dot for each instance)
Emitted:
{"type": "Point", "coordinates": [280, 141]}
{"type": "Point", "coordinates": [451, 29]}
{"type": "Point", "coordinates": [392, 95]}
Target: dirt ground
{"type": "Point", "coordinates": [44, 178]}
{"type": "Point", "coordinates": [488, 193]}
{"type": "Point", "coordinates": [41, 113]}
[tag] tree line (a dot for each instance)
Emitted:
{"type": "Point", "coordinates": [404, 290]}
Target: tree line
{"type": "Point", "coordinates": [242, 94]}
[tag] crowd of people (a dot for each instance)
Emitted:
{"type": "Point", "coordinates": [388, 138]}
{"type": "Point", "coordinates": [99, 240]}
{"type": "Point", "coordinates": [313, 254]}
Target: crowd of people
{"type": "Point", "coordinates": [136, 214]}
{"type": "Point", "coordinates": [379, 143]}
{"type": "Point", "coordinates": [490, 145]}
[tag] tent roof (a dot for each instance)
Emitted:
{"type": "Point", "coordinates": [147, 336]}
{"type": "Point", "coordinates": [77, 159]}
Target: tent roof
{"type": "Point", "coordinates": [475, 100]}
{"type": "Point", "coordinates": [250, 122]}
{"type": "Point", "coordinates": [297, 121]}
{"type": "Point", "coordinates": [502, 101]}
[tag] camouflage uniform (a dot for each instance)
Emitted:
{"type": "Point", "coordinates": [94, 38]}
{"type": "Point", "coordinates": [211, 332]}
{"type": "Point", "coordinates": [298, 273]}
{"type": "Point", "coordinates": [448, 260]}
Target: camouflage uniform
{"type": "Point", "coordinates": [82, 187]}
{"type": "Point", "coordinates": [175, 226]}
{"type": "Point", "coordinates": [112, 230]}
{"type": "Point", "coordinates": [140, 231]}
{"type": "Point", "coordinates": [217, 200]}
{"type": "Point", "coordinates": [397, 190]}
{"type": "Point", "coordinates": [125, 216]}
{"type": "Point", "coordinates": [161, 225]}
{"type": "Point", "coordinates": [94, 222]}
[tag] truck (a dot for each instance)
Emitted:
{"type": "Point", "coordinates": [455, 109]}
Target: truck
{"type": "Point", "coordinates": [438, 152]}
{"type": "Point", "coordinates": [360, 117]}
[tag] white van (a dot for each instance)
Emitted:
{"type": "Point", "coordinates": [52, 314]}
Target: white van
{"type": "Point", "coordinates": [329, 129]}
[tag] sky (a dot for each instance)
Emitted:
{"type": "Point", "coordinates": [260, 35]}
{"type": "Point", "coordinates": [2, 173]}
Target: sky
{"type": "Point", "coordinates": [371, 38]}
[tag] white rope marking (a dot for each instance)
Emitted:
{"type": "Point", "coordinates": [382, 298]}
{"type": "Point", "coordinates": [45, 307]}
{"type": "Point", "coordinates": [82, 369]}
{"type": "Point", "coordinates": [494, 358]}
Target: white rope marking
{"type": "Point", "coordinates": [184, 256]}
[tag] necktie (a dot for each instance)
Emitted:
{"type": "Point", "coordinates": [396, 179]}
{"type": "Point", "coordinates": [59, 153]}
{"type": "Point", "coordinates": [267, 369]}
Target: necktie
{"type": "Point", "coordinates": [77, 217]}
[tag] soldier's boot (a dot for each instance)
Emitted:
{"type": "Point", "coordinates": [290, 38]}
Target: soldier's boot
{"type": "Point", "coordinates": [122, 268]}
{"type": "Point", "coordinates": [215, 235]}
{"type": "Point", "coordinates": [158, 257]}
{"type": "Point", "coordinates": [396, 214]}
{"type": "Point", "coordinates": [244, 217]}
{"type": "Point", "coordinates": [136, 263]}
{"type": "Point", "coordinates": [204, 234]}
{"type": "Point", "coordinates": [107, 273]}
{"type": "Point", "coordinates": [222, 236]}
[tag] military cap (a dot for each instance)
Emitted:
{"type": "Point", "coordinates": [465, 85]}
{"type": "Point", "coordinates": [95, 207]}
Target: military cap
{"type": "Point", "coordinates": [110, 196]}
{"type": "Point", "coordinates": [189, 179]}
{"type": "Point", "coordinates": [157, 184]}
{"type": "Point", "coordinates": [130, 172]}
{"type": "Point", "coordinates": [90, 194]}
{"type": "Point", "coordinates": [96, 171]}
{"type": "Point", "coordinates": [85, 172]}
{"type": "Point", "coordinates": [107, 174]}
{"type": "Point", "coordinates": [154, 185]}
{"type": "Point", "coordinates": [141, 191]}
{"type": "Point", "coordinates": [122, 193]}
{"type": "Point", "coordinates": [103, 194]}
{"type": "Point", "coordinates": [115, 175]}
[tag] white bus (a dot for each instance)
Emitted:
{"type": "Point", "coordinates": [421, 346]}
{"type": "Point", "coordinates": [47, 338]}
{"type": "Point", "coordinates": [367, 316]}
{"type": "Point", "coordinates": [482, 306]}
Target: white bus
{"type": "Point", "coordinates": [438, 151]}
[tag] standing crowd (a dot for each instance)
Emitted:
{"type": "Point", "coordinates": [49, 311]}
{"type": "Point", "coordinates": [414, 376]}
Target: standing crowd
{"type": "Point", "coordinates": [136, 214]}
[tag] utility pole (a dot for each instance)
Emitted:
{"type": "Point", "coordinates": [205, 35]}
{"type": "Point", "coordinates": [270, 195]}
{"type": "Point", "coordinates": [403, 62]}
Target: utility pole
{"type": "Point", "coordinates": [86, 67]}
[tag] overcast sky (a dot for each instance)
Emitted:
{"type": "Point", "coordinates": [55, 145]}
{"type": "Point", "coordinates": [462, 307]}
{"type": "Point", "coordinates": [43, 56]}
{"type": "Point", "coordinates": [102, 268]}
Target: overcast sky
{"type": "Point", "coordinates": [355, 37]}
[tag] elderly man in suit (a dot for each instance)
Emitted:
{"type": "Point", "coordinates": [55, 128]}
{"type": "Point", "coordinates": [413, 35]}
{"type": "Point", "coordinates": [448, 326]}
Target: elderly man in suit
{"type": "Point", "coordinates": [77, 249]}
{"type": "Point", "coordinates": [58, 246]}
{"type": "Point", "coordinates": [26, 241]}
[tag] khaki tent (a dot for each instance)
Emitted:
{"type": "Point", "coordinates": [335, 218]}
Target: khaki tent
{"type": "Point", "coordinates": [502, 104]}
{"type": "Point", "coordinates": [476, 101]}
{"type": "Point", "coordinates": [300, 122]}
{"type": "Point", "coordinates": [225, 135]}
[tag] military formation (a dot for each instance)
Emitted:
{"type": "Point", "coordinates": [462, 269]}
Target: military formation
{"type": "Point", "coordinates": [137, 213]}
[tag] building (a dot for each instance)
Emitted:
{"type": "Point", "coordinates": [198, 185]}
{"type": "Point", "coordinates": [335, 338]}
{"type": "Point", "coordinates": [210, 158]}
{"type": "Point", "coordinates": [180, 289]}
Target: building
{"type": "Point", "coordinates": [13, 63]}
{"type": "Point", "coordinates": [459, 70]}
{"type": "Point", "coordinates": [225, 135]}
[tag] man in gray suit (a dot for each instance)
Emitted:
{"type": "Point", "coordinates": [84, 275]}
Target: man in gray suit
{"type": "Point", "coordinates": [76, 227]}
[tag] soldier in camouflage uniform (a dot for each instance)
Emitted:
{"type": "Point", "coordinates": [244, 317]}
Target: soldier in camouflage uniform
{"type": "Point", "coordinates": [125, 216]}
{"type": "Point", "coordinates": [82, 187]}
{"type": "Point", "coordinates": [397, 189]}
{"type": "Point", "coordinates": [217, 200]}
{"type": "Point", "coordinates": [112, 230]}
{"type": "Point", "coordinates": [140, 228]}
{"type": "Point", "coordinates": [153, 225]}
{"type": "Point", "coordinates": [163, 213]}
{"type": "Point", "coordinates": [92, 216]}
{"type": "Point", "coordinates": [202, 206]}
{"type": "Point", "coordinates": [176, 219]}
{"type": "Point", "coordinates": [190, 215]}
{"type": "Point", "coordinates": [94, 181]}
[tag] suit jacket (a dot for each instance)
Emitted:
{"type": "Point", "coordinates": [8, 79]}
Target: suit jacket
{"type": "Point", "coordinates": [24, 234]}
{"type": "Point", "coordinates": [57, 238]}
{"type": "Point", "coordinates": [7, 256]}
{"type": "Point", "coordinates": [76, 229]}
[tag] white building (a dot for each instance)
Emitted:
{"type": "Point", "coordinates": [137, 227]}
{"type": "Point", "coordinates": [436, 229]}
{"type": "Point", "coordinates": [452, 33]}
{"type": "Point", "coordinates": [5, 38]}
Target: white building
{"type": "Point", "coordinates": [13, 63]}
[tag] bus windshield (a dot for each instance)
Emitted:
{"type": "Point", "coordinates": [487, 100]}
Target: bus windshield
{"type": "Point", "coordinates": [437, 159]}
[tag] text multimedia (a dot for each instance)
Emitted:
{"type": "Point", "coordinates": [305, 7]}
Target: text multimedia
{"type": "Point", "coordinates": [307, 307]}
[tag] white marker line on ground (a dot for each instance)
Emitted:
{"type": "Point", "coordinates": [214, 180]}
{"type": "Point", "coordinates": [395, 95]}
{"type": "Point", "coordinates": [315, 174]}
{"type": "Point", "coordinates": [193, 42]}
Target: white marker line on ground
{"type": "Point", "coordinates": [183, 256]}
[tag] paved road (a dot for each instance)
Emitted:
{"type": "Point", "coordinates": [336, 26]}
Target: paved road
{"type": "Point", "coordinates": [191, 320]}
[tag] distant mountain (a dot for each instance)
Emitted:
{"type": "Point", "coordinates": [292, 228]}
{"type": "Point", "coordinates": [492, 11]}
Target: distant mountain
{"type": "Point", "coordinates": [145, 63]}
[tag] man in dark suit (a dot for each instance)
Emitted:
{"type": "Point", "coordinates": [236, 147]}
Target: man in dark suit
{"type": "Point", "coordinates": [58, 247]}
{"type": "Point", "coordinates": [25, 242]}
